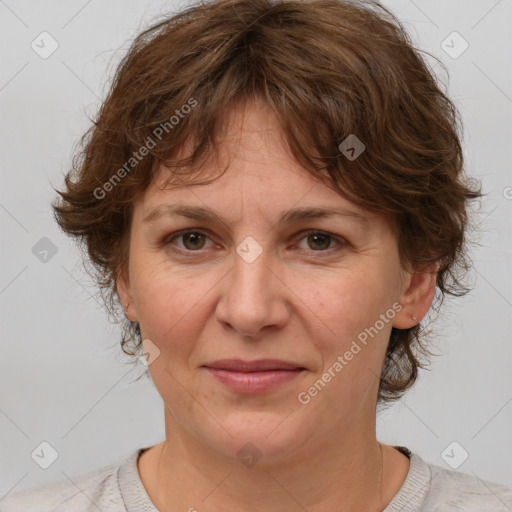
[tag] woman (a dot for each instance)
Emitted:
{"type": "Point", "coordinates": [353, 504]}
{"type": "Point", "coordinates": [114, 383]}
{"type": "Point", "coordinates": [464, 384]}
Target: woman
{"type": "Point", "coordinates": [274, 192]}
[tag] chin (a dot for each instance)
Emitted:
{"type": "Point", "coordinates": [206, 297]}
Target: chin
{"type": "Point", "coordinates": [260, 438]}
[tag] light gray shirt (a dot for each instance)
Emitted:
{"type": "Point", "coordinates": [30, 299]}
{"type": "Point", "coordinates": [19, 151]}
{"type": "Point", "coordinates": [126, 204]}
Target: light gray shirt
{"type": "Point", "coordinates": [117, 487]}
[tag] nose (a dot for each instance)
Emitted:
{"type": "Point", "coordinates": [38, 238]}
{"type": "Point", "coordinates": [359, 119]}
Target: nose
{"type": "Point", "coordinates": [254, 297]}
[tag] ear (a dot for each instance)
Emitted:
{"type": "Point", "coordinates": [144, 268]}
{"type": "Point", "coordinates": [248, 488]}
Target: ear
{"type": "Point", "coordinates": [124, 293]}
{"type": "Point", "coordinates": [417, 296]}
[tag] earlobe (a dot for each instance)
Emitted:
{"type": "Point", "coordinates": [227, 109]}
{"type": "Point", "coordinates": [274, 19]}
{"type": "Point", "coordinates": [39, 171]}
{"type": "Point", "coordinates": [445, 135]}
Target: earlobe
{"type": "Point", "coordinates": [417, 297]}
{"type": "Point", "coordinates": [124, 294]}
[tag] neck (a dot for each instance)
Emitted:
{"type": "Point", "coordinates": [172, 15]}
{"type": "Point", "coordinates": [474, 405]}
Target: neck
{"type": "Point", "coordinates": [343, 472]}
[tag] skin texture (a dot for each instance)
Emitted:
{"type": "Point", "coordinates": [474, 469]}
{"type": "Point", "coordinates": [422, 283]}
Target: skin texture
{"type": "Point", "coordinates": [295, 302]}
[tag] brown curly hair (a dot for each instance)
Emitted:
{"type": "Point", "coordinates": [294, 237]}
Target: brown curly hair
{"type": "Point", "coordinates": [328, 69]}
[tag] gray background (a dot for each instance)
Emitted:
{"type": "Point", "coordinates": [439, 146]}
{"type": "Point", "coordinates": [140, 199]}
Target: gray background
{"type": "Point", "coordinates": [63, 378]}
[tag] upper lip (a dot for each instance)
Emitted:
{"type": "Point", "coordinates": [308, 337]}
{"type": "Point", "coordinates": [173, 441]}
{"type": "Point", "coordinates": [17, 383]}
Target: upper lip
{"type": "Point", "coordinates": [260, 365]}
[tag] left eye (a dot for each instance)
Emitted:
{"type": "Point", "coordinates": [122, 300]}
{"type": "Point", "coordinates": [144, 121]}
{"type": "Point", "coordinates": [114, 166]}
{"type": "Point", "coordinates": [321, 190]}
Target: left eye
{"type": "Point", "coordinates": [319, 240]}
{"type": "Point", "coordinates": [194, 241]}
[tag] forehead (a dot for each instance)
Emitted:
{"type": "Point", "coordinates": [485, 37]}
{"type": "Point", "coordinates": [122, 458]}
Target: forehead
{"type": "Point", "coordinates": [252, 169]}
{"type": "Point", "coordinates": [238, 194]}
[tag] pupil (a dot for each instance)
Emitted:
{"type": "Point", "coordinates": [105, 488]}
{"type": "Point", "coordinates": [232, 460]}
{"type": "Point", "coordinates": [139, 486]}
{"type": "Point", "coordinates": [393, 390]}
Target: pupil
{"type": "Point", "coordinates": [316, 237]}
{"type": "Point", "coordinates": [193, 236]}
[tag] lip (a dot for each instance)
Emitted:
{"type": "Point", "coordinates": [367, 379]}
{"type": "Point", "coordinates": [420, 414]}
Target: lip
{"type": "Point", "coordinates": [259, 365]}
{"type": "Point", "coordinates": [259, 376]}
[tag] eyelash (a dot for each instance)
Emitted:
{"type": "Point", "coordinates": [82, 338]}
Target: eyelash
{"type": "Point", "coordinates": [168, 241]}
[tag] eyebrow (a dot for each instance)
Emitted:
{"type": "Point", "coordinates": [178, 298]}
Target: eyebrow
{"type": "Point", "coordinates": [291, 216]}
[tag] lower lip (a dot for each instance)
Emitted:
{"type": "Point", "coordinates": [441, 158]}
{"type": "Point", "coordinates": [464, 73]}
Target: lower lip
{"type": "Point", "coordinates": [254, 382]}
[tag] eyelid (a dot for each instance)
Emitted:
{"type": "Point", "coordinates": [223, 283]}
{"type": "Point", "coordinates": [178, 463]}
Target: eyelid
{"type": "Point", "coordinates": [205, 232]}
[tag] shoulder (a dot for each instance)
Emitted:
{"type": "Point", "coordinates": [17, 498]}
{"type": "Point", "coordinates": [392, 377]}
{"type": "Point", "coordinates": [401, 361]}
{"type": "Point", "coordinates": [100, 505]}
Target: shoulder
{"type": "Point", "coordinates": [454, 490]}
{"type": "Point", "coordinates": [92, 491]}
{"type": "Point", "coordinates": [432, 488]}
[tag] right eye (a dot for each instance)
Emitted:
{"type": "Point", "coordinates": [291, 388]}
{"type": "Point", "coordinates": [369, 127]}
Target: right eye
{"type": "Point", "coordinates": [192, 240]}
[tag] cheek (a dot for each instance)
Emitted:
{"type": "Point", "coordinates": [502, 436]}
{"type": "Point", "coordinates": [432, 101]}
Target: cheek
{"type": "Point", "coordinates": [350, 310]}
{"type": "Point", "coordinates": [348, 305]}
{"type": "Point", "coordinates": [171, 308]}
{"type": "Point", "coordinates": [173, 311]}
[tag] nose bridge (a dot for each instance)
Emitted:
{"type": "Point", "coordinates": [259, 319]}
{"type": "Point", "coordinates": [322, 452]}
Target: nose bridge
{"type": "Point", "coordinates": [252, 269]}
{"type": "Point", "coordinates": [251, 277]}
{"type": "Point", "coordinates": [250, 299]}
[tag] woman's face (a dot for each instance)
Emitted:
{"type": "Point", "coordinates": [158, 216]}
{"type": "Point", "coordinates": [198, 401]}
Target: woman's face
{"type": "Point", "coordinates": [256, 282]}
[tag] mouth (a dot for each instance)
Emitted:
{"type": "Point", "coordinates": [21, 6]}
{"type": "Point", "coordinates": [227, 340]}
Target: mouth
{"type": "Point", "coordinates": [260, 376]}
